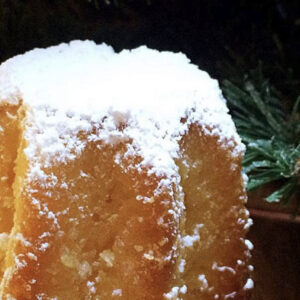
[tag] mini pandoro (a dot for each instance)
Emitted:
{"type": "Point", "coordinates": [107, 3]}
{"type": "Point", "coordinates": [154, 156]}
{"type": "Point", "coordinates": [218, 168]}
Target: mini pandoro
{"type": "Point", "coordinates": [120, 178]}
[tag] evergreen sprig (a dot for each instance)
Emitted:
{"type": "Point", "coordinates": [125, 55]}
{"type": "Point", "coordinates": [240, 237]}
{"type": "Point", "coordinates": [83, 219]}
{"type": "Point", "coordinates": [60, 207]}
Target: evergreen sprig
{"type": "Point", "coordinates": [272, 139]}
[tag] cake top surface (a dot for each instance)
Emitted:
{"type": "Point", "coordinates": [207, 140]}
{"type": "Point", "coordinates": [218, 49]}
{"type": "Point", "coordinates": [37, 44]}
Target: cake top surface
{"type": "Point", "coordinates": [81, 75]}
{"type": "Point", "coordinates": [82, 83]}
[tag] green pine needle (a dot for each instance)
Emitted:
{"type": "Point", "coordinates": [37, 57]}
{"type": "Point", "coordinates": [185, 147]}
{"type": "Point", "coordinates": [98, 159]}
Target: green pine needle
{"type": "Point", "coordinates": [272, 140]}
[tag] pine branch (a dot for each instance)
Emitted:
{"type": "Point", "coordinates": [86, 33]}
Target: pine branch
{"type": "Point", "coordinates": [272, 139]}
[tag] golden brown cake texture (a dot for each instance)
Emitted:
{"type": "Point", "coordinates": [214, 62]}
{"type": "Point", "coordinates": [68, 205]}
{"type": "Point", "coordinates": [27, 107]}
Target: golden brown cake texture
{"type": "Point", "coordinates": [9, 139]}
{"type": "Point", "coordinates": [124, 183]}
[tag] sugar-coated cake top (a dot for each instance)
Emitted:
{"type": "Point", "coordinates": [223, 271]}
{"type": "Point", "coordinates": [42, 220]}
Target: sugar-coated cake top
{"type": "Point", "coordinates": [81, 75]}
{"type": "Point", "coordinates": [81, 83]}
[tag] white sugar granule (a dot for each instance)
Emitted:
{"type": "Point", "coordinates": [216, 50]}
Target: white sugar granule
{"type": "Point", "coordinates": [230, 296]}
{"type": "Point", "coordinates": [181, 265]}
{"type": "Point", "coordinates": [223, 268]}
{"type": "Point", "coordinates": [249, 284]}
{"type": "Point", "coordinates": [175, 292]}
{"type": "Point", "coordinates": [20, 237]}
{"type": "Point", "coordinates": [249, 245]}
{"type": "Point", "coordinates": [32, 256]}
{"type": "Point", "coordinates": [44, 247]}
{"type": "Point", "coordinates": [203, 280]}
{"type": "Point", "coordinates": [189, 240]}
{"type": "Point", "coordinates": [117, 292]}
{"type": "Point", "coordinates": [91, 287]}
{"type": "Point", "coordinates": [72, 88]}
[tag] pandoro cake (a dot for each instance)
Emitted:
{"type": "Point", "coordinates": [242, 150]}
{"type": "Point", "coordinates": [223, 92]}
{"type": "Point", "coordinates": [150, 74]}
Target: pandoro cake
{"type": "Point", "coordinates": [120, 178]}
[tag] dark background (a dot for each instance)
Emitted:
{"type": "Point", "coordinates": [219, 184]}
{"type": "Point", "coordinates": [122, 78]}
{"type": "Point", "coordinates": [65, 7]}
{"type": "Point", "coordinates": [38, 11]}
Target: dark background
{"type": "Point", "coordinates": [218, 35]}
{"type": "Point", "coordinates": [227, 38]}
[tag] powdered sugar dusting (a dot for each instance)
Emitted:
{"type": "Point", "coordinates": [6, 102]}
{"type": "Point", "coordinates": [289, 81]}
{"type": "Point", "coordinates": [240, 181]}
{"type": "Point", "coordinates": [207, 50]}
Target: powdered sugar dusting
{"type": "Point", "coordinates": [249, 284]}
{"type": "Point", "coordinates": [82, 92]}
{"type": "Point", "coordinates": [189, 240]}
{"type": "Point", "coordinates": [175, 292]}
{"type": "Point", "coordinates": [72, 87]}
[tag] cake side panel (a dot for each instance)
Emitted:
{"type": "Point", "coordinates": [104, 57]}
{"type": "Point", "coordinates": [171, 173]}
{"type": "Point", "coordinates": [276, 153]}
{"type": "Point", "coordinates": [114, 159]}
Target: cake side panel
{"type": "Point", "coordinates": [93, 227]}
{"type": "Point", "coordinates": [214, 257]}
{"type": "Point", "coordinates": [9, 142]}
